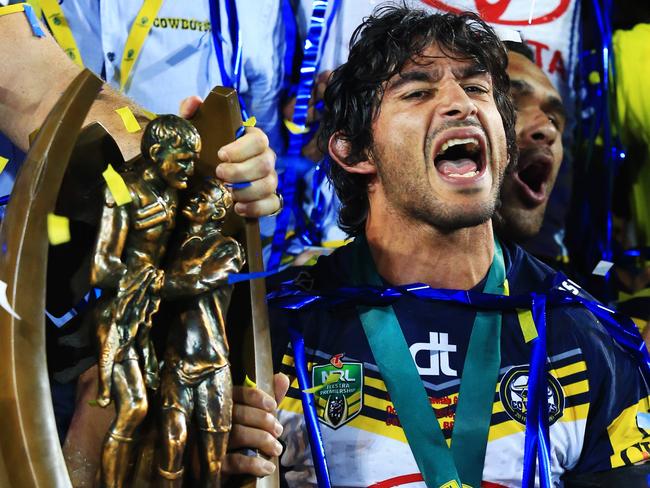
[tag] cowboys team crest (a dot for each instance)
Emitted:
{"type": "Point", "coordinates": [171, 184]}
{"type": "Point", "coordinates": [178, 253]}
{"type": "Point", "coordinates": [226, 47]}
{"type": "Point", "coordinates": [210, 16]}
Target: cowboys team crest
{"type": "Point", "coordinates": [339, 395]}
{"type": "Point", "coordinates": [513, 392]}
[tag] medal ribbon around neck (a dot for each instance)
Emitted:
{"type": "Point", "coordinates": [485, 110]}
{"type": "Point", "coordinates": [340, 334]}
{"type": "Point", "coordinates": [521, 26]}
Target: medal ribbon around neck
{"type": "Point", "coordinates": [440, 465]}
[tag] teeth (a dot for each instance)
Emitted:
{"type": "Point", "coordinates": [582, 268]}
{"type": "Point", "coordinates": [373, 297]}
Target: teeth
{"type": "Point", "coordinates": [471, 174]}
{"type": "Point", "coordinates": [456, 142]}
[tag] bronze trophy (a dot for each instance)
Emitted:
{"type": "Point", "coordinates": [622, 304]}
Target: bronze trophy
{"type": "Point", "coordinates": [145, 258]}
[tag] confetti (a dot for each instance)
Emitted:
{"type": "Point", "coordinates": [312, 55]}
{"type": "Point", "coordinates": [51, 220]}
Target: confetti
{"type": "Point", "coordinates": [602, 268]}
{"type": "Point", "coordinates": [3, 163]}
{"type": "Point", "coordinates": [250, 121]}
{"type": "Point", "coordinates": [58, 229]}
{"type": "Point", "coordinates": [4, 302]}
{"type": "Point", "coordinates": [333, 377]}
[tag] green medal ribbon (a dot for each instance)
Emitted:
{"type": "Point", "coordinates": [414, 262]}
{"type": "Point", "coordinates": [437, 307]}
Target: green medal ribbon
{"type": "Point", "coordinates": [441, 467]}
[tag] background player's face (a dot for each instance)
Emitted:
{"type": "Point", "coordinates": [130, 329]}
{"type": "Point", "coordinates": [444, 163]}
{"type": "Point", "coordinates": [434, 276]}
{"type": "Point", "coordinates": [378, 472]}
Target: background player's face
{"type": "Point", "coordinates": [439, 142]}
{"type": "Point", "coordinates": [540, 122]}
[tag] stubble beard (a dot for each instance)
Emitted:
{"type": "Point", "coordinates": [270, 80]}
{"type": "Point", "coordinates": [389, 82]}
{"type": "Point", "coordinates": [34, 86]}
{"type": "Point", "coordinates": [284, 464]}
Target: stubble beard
{"type": "Point", "coordinates": [413, 199]}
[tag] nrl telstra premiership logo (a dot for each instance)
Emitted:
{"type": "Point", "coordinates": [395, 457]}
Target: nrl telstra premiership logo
{"type": "Point", "coordinates": [339, 391]}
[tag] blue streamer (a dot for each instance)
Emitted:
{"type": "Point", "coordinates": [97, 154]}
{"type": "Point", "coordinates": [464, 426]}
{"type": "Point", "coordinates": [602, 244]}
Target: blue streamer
{"type": "Point", "coordinates": [33, 21]}
{"type": "Point", "coordinates": [309, 409]}
{"type": "Point", "coordinates": [4, 200]}
{"type": "Point", "coordinates": [239, 186]}
{"type": "Point", "coordinates": [238, 277]}
{"type": "Point", "coordinates": [289, 179]}
{"type": "Point", "coordinates": [537, 443]}
{"type": "Point", "coordinates": [89, 298]}
{"type": "Point", "coordinates": [235, 39]}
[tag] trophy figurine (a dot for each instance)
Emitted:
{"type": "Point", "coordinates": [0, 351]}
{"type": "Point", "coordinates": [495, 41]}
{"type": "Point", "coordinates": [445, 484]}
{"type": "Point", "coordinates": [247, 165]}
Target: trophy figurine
{"type": "Point", "coordinates": [196, 381]}
{"type": "Point", "coordinates": [131, 243]}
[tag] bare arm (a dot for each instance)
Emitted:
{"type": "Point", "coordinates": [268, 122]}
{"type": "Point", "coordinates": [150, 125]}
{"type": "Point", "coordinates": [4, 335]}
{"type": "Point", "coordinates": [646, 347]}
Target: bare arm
{"type": "Point", "coordinates": [107, 266]}
{"type": "Point", "coordinates": [35, 71]}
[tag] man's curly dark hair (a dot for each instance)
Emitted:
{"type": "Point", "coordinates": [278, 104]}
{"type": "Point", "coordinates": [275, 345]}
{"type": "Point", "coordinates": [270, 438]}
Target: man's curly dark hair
{"type": "Point", "coordinates": [379, 49]}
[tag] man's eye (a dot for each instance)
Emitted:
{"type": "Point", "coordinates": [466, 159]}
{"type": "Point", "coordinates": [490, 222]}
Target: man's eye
{"type": "Point", "coordinates": [416, 94]}
{"type": "Point", "coordinates": [475, 89]}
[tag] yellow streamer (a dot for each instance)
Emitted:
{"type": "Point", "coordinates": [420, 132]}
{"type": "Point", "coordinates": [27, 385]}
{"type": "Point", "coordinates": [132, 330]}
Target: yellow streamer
{"type": "Point", "coordinates": [61, 29]}
{"type": "Point", "coordinates": [58, 229]}
{"type": "Point", "coordinates": [249, 382]}
{"type": "Point", "coordinates": [250, 121]}
{"type": "Point", "coordinates": [137, 35]}
{"type": "Point", "coordinates": [116, 186]}
{"type": "Point", "coordinates": [527, 324]}
{"type": "Point", "coordinates": [36, 6]}
{"type": "Point", "coordinates": [333, 377]}
{"type": "Point", "coordinates": [130, 122]}
{"type": "Point", "coordinates": [11, 9]}
{"type": "Point", "coordinates": [3, 163]}
{"type": "Point", "coordinates": [295, 128]}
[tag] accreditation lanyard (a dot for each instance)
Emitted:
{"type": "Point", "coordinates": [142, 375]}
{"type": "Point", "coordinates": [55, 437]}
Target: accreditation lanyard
{"type": "Point", "coordinates": [53, 14]}
{"type": "Point", "coordinates": [229, 77]}
{"type": "Point", "coordinates": [137, 35]}
{"type": "Point", "coordinates": [440, 466]}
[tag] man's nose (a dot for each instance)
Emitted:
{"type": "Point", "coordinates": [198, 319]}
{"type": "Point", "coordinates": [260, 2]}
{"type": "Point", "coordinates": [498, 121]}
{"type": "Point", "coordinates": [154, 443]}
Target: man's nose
{"type": "Point", "coordinates": [453, 101]}
{"type": "Point", "coordinates": [540, 130]}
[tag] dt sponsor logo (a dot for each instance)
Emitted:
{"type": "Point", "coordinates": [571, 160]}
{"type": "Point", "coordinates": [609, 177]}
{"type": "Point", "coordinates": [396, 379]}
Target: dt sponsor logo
{"type": "Point", "coordinates": [495, 12]}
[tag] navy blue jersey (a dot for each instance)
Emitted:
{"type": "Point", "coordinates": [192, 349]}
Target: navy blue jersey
{"type": "Point", "coordinates": [595, 388]}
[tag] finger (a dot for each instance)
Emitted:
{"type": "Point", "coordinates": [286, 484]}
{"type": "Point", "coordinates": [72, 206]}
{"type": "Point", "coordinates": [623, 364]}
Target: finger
{"type": "Point", "coordinates": [189, 106]}
{"type": "Point", "coordinates": [252, 143]}
{"type": "Point", "coordinates": [256, 418]}
{"type": "Point", "coordinates": [259, 440]}
{"type": "Point", "coordinates": [280, 386]}
{"type": "Point", "coordinates": [251, 169]}
{"type": "Point", "coordinates": [253, 397]}
{"type": "Point", "coordinates": [236, 463]}
{"type": "Point", "coordinates": [256, 190]}
{"type": "Point", "coordinates": [258, 208]}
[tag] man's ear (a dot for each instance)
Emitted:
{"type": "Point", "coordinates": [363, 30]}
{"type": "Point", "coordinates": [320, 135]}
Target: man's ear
{"type": "Point", "coordinates": [339, 149]}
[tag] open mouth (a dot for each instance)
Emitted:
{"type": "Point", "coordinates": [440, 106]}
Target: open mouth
{"type": "Point", "coordinates": [460, 155]}
{"type": "Point", "coordinates": [533, 174]}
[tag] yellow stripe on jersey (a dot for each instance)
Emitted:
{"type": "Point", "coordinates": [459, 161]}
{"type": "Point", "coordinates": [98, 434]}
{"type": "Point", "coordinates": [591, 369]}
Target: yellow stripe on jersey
{"type": "Point", "coordinates": [375, 383]}
{"type": "Point", "coordinates": [288, 360]}
{"type": "Point", "coordinates": [578, 412]}
{"type": "Point", "coordinates": [570, 369]}
{"type": "Point", "coordinates": [626, 438]}
{"type": "Point", "coordinates": [576, 388]}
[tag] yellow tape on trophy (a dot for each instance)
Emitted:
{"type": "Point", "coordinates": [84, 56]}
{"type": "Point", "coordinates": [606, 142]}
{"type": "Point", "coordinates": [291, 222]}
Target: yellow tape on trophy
{"type": "Point", "coordinates": [130, 122]}
{"type": "Point", "coordinates": [116, 186]}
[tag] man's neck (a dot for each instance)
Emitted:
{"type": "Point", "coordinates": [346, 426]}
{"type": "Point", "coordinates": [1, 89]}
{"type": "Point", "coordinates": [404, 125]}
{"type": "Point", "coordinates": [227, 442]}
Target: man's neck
{"type": "Point", "coordinates": [406, 252]}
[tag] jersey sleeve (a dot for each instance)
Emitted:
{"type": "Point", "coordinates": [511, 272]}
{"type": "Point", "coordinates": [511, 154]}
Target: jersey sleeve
{"type": "Point", "coordinates": [618, 430]}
